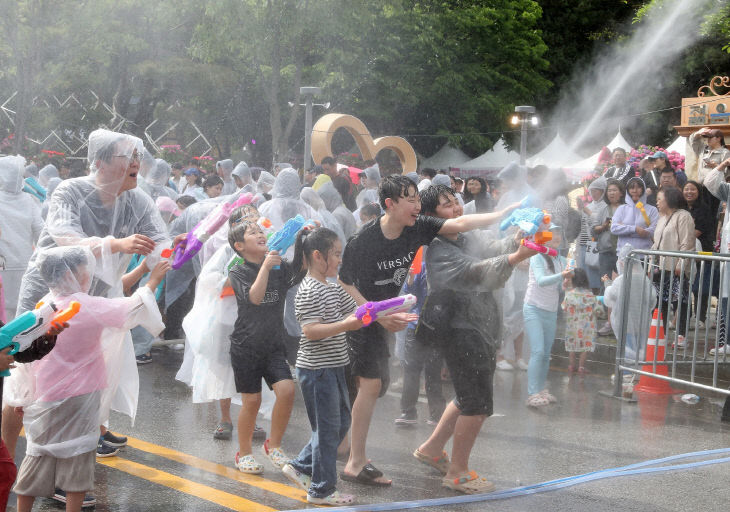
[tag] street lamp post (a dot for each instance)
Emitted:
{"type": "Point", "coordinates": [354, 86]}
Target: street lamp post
{"type": "Point", "coordinates": [524, 114]}
{"type": "Point", "coordinates": [308, 93]}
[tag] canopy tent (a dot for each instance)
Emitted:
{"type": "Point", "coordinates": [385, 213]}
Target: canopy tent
{"type": "Point", "coordinates": [555, 154]}
{"type": "Point", "coordinates": [490, 162]}
{"type": "Point", "coordinates": [679, 145]}
{"type": "Point", "coordinates": [588, 165]}
{"type": "Point", "coordinates": [445, 158]}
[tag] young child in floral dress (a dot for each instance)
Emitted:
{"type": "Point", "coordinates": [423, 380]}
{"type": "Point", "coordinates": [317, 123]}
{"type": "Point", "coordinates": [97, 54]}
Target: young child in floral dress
{"type": "Point", "coordinates": [580, 322]}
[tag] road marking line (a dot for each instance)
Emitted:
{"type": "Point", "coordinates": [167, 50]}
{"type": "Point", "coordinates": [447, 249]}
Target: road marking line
{"type": "Point", "coordinates": [201, 491]}
{"type": "Point", "coordinates": [219, 469]}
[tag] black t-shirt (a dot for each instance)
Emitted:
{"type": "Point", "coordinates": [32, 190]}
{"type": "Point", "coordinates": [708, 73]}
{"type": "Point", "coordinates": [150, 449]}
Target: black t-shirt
{"type": "Point", "coordinates": [259, 326]}
{"type": "Point", "coordinates": [377, 266]}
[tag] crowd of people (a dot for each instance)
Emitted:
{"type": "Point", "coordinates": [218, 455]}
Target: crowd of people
{"type": "Point", "coordinates": [252, 319]}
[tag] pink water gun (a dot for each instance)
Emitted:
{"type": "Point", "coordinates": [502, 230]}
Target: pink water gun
{"type": "Point", "coordinates": [195, 239]}
{"type": "Point", "coordinates": [539, 248]}
{"type": "Point", "coordinates": [371, 311]}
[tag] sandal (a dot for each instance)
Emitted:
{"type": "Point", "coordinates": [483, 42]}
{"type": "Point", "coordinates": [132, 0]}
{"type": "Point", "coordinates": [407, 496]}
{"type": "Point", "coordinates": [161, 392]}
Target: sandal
{"type": "Point", "coordinates": [368, 475]}
{"type": "Point", "coordinates": [550, 397]}
{"type": "Point", "coordinates": [582, 370]}
{"type": "Point", "coordinates": [247, 464]}
{"type": "Point", "coordinates": [440, 463]}
{"type": "Point", "coordinates": [334, 499]}
{"type": "Point", "coordinates": [276, 455]}
{"type": "Point", "coordinates": [301, 480]}
{"type": "Point", "coordinates": [223, 430]}
{"type": "Point", "coordinates": [537, 400]}
{"type": "Point", "coordinates": [471, 483]}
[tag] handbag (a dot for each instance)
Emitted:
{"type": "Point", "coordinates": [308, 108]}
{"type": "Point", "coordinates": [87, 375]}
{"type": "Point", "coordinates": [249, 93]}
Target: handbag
{"type": "Point", "coordinates": [592, 254]}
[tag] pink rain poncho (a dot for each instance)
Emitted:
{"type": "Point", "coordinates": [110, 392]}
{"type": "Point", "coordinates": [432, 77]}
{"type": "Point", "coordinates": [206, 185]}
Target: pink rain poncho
{"type": "Point", "coordinates": [69, 392]}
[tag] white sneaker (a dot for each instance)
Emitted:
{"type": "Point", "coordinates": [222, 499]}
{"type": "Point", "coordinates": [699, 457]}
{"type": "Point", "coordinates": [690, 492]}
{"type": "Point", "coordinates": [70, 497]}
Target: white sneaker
{"type": "Point", "coordinates": [522, 365]}
{"type": "Point", "coordinates": [504, 365]}
{"type": "Point", "coordinates": [720, 351]}
{"type": "Point", "coordinates": [681, 342]}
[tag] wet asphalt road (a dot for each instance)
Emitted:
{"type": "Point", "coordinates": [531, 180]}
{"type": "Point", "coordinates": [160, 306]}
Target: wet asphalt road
{"type": "Point", "coordinates": [173, 463]}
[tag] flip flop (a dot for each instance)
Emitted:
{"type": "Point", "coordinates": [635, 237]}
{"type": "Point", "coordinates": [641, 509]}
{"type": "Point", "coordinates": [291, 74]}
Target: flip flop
{"type": "Point", "coordinates": [367, 476]}
{"type": "Point", "coordinates": [440, 463]}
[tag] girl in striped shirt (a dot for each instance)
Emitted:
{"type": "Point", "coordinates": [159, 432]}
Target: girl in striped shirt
{"type": "Point", "coordinates": [326, 312]}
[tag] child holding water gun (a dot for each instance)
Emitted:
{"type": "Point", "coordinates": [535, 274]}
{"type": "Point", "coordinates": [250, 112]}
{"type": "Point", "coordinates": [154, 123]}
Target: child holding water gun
{"type": "Point", "coordinates": [325, 312]}
{"type": "Point", "coordinates": [257, 349]}
{"type": "Point", "coordinates": [73, 386]}
{"type": "Point", "coordinates": [579, 305]}
{"type": "Point", "coordinates": [541, 315]}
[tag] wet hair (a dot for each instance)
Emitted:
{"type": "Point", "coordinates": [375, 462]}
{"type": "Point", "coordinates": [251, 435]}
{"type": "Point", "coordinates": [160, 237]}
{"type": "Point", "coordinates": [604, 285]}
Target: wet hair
{"type": "Point", "coordinates": [431, 196]}
{"type": "Point", "coordinates": [309, 240]}
{"type": "Point", "coordinates": [428, 172]}
{"type": "Point", "coordinates": [621, 191]}
{"type": "Point", "coordinates": [211, 181]}
{"type": "Point", "coordinates": [185, 201]}
{"type": "Point", "coordinates": [328, 160]}
{"type": "Point", "coordinates": [370, 210]}
{"type": "Point", "coordinates": [673, 197]}
{"type": "Point", "coordinates": [580, 279]}
{"type": "Point", "coordinates": [394, 187]}
{"type": "Point", "coordinates": [242, 213]}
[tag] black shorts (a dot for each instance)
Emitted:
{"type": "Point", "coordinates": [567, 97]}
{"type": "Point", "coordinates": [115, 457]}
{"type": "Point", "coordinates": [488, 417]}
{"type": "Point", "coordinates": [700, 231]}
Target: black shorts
{"type": "Point", "coordinates": [471, 362]}
{"type": "Point", "coordinates": [369, 355]}
{"type": "Point", "coordinates": [251, 364]}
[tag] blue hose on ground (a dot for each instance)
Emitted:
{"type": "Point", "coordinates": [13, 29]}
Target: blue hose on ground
{"type": "Point", "coordinates": [551, 485]}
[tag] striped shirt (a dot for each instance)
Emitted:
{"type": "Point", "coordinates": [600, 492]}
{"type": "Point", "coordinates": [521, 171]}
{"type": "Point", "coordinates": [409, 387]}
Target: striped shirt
{"type": "Point", "coordinates": [317, 302]}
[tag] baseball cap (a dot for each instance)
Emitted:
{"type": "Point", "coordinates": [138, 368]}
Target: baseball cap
{"type": "Point", "coordinates": [192, 170]}
{"type": "Point", "coordinates": [658, 154]}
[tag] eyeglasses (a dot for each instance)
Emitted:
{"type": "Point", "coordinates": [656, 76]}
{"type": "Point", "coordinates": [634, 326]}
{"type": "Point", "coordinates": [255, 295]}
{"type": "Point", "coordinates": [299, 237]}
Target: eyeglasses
{"type": "Point", "coordinates": [134, 158]}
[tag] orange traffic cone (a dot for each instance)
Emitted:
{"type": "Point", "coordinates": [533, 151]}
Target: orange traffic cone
{"type": "Point", "coordinates": [658, 344]}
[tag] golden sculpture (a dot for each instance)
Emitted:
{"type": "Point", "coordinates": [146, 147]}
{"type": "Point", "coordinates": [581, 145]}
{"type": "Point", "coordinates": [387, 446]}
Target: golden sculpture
{"type": "Point", "coordinates": [717, 81]}
{"type": "Point", "coordinates": [327, 125]}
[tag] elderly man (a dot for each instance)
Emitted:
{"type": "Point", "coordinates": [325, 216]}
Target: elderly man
{"type": "Point", "coordinates": [108, 213]}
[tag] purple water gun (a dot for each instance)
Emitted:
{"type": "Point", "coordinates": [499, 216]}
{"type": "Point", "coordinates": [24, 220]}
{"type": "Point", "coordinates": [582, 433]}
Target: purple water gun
{"type": "Point", "coordinates": [371, 311]}
{"type": "Point", "coordinates": [195, 239]}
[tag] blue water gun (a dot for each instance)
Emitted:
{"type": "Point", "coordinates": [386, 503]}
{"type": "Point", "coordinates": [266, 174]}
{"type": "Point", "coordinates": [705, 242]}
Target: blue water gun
{"type": "Point", "coordinates": [34, 188]}
{"type": "Point", "coordinates": [528, 220]}
{"type": "Point", "coordinates": [287, 235]}
{"type": "Point", "coordinates": [31, 325]}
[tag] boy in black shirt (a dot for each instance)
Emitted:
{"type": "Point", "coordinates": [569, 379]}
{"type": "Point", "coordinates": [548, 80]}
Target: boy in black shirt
{"type": "Point", "coordinates": [374, 265]}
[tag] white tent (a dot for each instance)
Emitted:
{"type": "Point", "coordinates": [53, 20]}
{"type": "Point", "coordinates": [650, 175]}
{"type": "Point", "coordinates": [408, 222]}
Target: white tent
{"type": "Point", "coordinates": [555, 154]}
{"type": "Point", "coordinates": [445, 158]}
{"type": "Point", "coordinates": [589, 163]}
{"type": "Point", "coordinates": [679, 145]}
{"type": "Point", "coordinates": [493, 160]}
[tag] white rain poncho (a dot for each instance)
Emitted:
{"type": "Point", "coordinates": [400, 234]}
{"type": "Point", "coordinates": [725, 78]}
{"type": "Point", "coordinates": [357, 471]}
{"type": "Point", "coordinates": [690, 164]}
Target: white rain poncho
{"type": "Point", "coordinates": [45, 174]}
{"type": "Point", "coordinates": [642, 300]}
{"type": "Point", "coordinates": [514, 180]}
{"type": "Point", "coordinates": [91, 211]}
{"type": "Point", "coordinates": [52, 184]}
{"type": "Point", "coordinates": [31, 170]}
{"type": "Point", "coordinates": [265, 183]}
{"type": "Point", "coordinates": [333, 202]}
{"type": "Point", "coordinates": [146, 164]}
{"type": "Point", "coordinates": [224, 168]}
{"type": "Point", "coordinates": [243, 172]}
{"type": "Point", "coordinates": [70, 390]}
{"type": "Point", "coordinates": [20, 227]}
{"type": "Point", "coordinates": [369, 194]}
{"type": "Point", "coordinates": [157, 178]}
{"type": "Point", "coordinates": [312, 198]}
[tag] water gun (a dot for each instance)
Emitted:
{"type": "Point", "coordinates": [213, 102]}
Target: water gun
{"type": "Point", "coordinates": [417, 263]}
{"type": "Point", "coordinates": [195, 239]}
{"type": "Point", "coordinates": [641, 208]}
{"type": "Point", "coordinates": [287, 235]}
{"type": "Point", "coordinates": [528, 201]}
{"type": "Point", "coordinates": [34, 188]}
{"type": "Point", "coordinates": [371, 311]}
{"type": "Point", "coordinates": [528, 220]}
{"type": "Point", "coordinates": [31, 325]}
{"type": "Point", "coordinates": [539, 247]}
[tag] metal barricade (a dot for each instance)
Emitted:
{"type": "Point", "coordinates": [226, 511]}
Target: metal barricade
{"type": "Point", "coordinates": [675, 283]}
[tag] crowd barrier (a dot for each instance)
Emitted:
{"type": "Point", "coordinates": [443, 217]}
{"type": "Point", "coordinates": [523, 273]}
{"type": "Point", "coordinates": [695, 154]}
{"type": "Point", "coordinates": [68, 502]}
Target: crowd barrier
{"type": "Point", "coordinates": [689, 283]}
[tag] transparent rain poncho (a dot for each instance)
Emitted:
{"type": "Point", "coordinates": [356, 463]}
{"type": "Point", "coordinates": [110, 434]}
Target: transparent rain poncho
{"type": "Point", "coordinates": [224, 168]}
{"type": "Point", "coordinates": [333, 201]}
{"type": "Point", "coordinates": [243, 172]}
{"type": "Point", "coordinates": [93, 209]}
{"type": "Point", "coordinates": [31, 170]}
{"type": "Point", "coordinates": [312, 198]}
{"type": "Point", "coordinates": [45, 174]}
{"type": "Point", "coordinates": [52, 184]}
{"type": "Point", "coordinates": [69, 392]}
{"type": "Point", "coordinates": [20, 226]}
{"type": "Point", "coordinates": [157, 178]}
{"type": "Point", "coordinates": [642, 300]}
